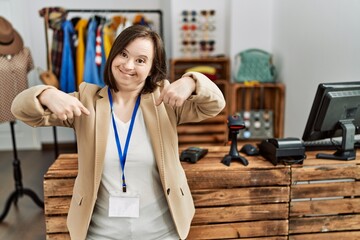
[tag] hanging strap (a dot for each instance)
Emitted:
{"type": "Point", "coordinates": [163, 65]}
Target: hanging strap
{"type": "Point", "coordinates": [123, 154]}
{"type": "Point", "coordinates": [48, 52]}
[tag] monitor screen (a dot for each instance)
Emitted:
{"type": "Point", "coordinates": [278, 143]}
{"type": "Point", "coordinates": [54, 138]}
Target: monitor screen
{"type": "Point", "coordinates": [335, 112]}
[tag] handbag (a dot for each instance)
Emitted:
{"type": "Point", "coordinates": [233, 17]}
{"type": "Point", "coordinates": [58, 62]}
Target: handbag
{"type": "Point", "coordinates": [49, 78]}
{"type": "Point", "coordinates": [255, 65]}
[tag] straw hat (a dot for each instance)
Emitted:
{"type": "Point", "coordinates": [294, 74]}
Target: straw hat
{"type": "Point", "coordinates": [10, 40]}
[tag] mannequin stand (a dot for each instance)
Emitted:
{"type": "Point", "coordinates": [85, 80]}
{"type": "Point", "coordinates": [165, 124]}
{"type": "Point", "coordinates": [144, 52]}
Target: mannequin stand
{"type": "Point", "coordinates": [19, 190]}
{"type": "Point", "coordinates": [56, 145]}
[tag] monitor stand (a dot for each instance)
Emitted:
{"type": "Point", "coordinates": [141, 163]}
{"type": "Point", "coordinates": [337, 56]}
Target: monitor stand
{"type": "Point", "coordinates": [347, 151]}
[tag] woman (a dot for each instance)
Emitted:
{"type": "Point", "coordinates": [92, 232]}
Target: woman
{"type": "Point", "coordinates": [130, 182]}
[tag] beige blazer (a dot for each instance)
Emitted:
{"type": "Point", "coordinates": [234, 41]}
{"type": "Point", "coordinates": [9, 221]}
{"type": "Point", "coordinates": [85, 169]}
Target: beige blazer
{"type": "Point", "coordinates": [91, 135]}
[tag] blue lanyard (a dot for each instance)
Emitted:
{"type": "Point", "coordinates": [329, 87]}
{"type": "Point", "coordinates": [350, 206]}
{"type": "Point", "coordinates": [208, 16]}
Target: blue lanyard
{"type": "Point", "coordinates": [122, 155]}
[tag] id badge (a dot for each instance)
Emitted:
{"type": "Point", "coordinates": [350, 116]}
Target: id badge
{"type": "Point", "coordinates": [124, 204]}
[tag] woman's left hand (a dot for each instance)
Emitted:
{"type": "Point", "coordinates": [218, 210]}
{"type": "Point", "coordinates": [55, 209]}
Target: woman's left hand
{"type": "Point", "coordinates": [177, 92]}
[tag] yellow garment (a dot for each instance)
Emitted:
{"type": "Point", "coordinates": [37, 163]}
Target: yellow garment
{"type": "Point", "coordinates": [80, 50]}
{"type": "Point", "coordinates": [202, 69]}
{"type": "Point", "coordinates": [108, 37]}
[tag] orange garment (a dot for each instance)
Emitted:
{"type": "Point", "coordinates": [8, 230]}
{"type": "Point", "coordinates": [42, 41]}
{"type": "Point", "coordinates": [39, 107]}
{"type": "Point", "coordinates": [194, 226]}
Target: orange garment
{"type": "Point", "coordinates": [80, 50]}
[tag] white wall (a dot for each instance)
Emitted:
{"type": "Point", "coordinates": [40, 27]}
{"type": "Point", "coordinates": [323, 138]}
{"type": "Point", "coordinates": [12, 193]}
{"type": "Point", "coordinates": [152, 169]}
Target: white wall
{"type": "Point", "coordinates": [314, 41]}
{"type": "Point", "coordinates": [250, 26]}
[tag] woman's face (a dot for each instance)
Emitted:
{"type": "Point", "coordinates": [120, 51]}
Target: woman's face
{"type": "Point", "coordinates": [131, 66]}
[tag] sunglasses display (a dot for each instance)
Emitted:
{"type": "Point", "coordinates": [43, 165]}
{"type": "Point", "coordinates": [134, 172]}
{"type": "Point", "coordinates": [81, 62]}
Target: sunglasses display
{"type": "Point", "coordinates": [197, 33]}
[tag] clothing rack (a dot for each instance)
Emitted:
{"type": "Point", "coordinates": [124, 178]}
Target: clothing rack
{"type": "Point", "coordinates": [159, 12]}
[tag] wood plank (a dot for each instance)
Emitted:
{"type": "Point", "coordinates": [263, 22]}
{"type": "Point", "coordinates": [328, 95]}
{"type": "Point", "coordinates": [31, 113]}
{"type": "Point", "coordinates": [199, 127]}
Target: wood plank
{"type": "Point", "coordinates": [262, 238]}
{"type": "Point", "coordinates": [58, 236]}
{"type": "Point", "coordinates": [327, 236]}
{"type": "Point", "coordinates": [322, 207]}
{"type": "Point", "coordinates": [57, 205]}
{"type": "Point", "coordinates": [325, 172]}
{"type": "Point", "coordinates": [211, 137]}
{"type": "Point", "coordinates": [61, 174]}
{"type": "Point", "coordinates": [239, 230]}
{"type": "Point", "coordinates": [56, 224]}
{"type": "Point", "coordinates": [58, 187]}
{"type": "Point", "coordinates": [324, 224]}
{"type": "Point", "coordinates": [64, 164]}
{"type": "Point", "coordinates": [237, 178]}
{"type": "Point", "coordinates": [240, 213]}
{"type": "Point", "coordinates": [214, 163]}
{"type": "Point", "coordinates": [68, 156]}
{"type": "Point", "coordinates": [240, 196]}
{"type": "Point", "coordinates": [201, 129]}
{"type": "Point", "coordinates": [318, 190]}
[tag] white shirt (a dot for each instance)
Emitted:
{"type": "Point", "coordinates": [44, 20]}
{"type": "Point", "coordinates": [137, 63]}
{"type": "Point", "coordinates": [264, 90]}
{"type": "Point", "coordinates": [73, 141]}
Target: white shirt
{"type": "Point", "coordinates": [142, 177]}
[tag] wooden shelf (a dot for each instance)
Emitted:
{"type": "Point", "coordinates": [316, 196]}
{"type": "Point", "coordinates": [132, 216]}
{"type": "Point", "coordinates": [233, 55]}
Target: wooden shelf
{"type": "Point", "coordinates": [212, 131]}
{"type": "Point", "coordinates": [265, 96]}
{"type": "Point", "coordinates": [178, 66]}
{"type": "Point", "coordinates": [238, 96]}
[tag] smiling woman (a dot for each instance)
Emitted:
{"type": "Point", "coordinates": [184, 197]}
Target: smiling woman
{"type": "Point", "coordinates": [132, 66]}
{"type": "Point", "coordinates": [138, 109]}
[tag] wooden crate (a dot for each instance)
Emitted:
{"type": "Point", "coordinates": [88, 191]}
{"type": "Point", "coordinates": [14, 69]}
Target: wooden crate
{"type": "Point", "coordinates": [58, 185]}
{"type": "Point", "coordinates": [178, 66]}
{"type": "Point", "coordinates": [325, 200]}
{"type": "Point", "coordinates": [265, 96]}
{"type": "Point", "coordinates": [212, 131]}
{"type": "Point", "coordinates": [238, 201]}
{"type": "Point", "coordinates": [231, 202]}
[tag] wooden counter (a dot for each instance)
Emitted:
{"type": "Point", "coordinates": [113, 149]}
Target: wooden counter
{"type": "Point", "coordinates": [317, 200]}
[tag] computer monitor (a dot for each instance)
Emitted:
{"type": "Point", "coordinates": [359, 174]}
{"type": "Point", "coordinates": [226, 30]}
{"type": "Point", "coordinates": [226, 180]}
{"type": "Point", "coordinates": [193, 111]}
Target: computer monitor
{"type": "Point", "coordinates": [335, 113]}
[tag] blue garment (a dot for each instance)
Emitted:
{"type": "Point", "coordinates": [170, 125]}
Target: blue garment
{"type": "Point", "coordinates": [67, 74]}
{"type": "Point", "coordinates": [91, 72]}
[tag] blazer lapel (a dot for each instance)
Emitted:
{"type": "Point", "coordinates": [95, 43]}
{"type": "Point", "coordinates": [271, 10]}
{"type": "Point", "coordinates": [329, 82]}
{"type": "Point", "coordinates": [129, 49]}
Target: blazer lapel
{"type": "Point", "coordinates": [101, 134]}
{"type": "Point", "coordinates": [152, 120]}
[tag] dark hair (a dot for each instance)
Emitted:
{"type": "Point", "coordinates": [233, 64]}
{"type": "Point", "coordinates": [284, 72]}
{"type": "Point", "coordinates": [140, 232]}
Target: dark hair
{"type": "Point", "coordinates": [158, 70]}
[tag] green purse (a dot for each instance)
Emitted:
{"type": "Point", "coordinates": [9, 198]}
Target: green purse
{"type": "Point", "coordinates": [255, 65]}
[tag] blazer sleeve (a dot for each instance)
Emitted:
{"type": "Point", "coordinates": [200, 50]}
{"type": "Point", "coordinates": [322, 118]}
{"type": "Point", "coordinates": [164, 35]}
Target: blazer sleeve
{"type": "Point", "coordinates": [206, 102]}
{"type": "Point", "coordinates": [27, 108]}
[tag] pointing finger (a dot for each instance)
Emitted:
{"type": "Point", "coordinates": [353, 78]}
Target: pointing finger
{"type": "Point", "coordinates": [164, 90]}
{"type": "Point", "coordinates": [85, 111]}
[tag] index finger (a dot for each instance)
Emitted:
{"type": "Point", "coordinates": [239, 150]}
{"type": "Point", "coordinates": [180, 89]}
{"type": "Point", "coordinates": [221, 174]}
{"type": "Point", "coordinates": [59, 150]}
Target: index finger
{"type": "Point", "coordinates": [162, 93]}
{"type": "Point", "coordinates": [84, 110]}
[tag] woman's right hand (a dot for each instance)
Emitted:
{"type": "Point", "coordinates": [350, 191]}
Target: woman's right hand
{"type": "Point", "coordinates": [63, 105]}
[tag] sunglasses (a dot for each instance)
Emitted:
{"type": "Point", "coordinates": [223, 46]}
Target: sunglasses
{"type": "Point", "coordinates": [192, 42]}
{"type": "Point", "coordinates": [207, 45]}
{"type": "Point", "coordinates": [191, 27]}
{"type": "Point", "coordinates": [207, 27]}
{"type": "Point", "coordinates": [187, 13]}
{"type": "Point", "coordinates": [206, 13]}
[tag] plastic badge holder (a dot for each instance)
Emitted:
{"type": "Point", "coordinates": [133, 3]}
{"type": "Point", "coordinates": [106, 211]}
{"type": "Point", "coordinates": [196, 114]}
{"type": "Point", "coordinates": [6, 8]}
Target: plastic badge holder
{"type": "Point", "coordinates": [284, 150]}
